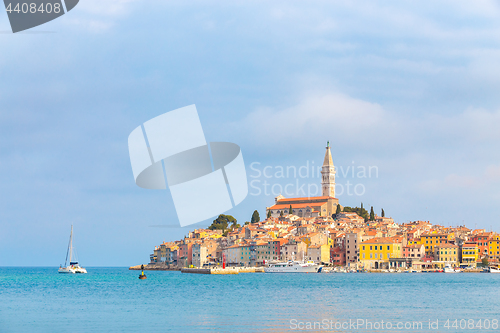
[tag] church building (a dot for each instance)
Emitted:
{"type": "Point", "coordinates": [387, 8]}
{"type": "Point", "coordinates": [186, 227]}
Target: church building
{"type": "Point", "coordinates": [325, 205]}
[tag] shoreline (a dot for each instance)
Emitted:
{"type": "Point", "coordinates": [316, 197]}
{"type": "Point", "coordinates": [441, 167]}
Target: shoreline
{"type": "Point", "coordinates": [237, 270]}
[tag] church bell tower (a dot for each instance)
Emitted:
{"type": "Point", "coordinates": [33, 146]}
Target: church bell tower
{"type": "Point", "coordinates": [328, 174]}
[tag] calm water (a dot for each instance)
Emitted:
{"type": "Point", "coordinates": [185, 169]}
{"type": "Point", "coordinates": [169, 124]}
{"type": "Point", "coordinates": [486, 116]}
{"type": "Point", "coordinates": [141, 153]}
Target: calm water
{"type": "Point", "coordinates": [115, 300]}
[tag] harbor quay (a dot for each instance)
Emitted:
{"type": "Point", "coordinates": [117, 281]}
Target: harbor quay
{"type": "Point", "coordinates": [321, 231]}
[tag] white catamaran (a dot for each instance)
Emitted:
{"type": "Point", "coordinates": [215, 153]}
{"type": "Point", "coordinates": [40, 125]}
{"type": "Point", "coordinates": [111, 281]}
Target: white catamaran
{"type": "Point", "coordinates": [73, 267]}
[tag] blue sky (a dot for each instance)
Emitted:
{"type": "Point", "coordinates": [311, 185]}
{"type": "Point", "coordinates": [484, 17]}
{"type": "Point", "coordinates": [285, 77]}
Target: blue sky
{"type": "Point", "coordinates": [408, 87]}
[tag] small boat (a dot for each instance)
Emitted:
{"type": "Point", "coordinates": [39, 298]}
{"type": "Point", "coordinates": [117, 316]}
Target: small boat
{"type": "Point", "coordinates": [74, 267]}
{"type": "Point", "coordinates": [493, 269]}
{"type": "Point", "coordinates": [449, 269]}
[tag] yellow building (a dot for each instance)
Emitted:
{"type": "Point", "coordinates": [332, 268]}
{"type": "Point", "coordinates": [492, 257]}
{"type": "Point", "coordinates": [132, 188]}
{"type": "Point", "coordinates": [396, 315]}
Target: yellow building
{"type": "Point", "coordinates": [331, 242]}
{"type": "Point", "coordinates": [416, 241]}
{"type": "Point", "coordinates": [314, 238]}
{"type": "Point", "coordinates": [470, 254]}
{"type": "Point", "coordinates": [430, 240]}
{"type": "Point", "coordinates": [447, 253]}
{"type": "Point", "coordinates": [319, 253]}
{"type": "Point", "coordinates": [494, 248]}
{"type": "Point", "coordinates": [376, 252]}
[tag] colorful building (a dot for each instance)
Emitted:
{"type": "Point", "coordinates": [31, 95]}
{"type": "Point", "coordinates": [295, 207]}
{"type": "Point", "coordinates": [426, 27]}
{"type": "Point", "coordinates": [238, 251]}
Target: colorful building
{"type": "Point", "coordinates": [430, 240]}
{"type": "Point", "coordinates": [494, 248]}
{"type": "Point", "coordinates": [376, 252]}
{"type": "Point", "coordinates": [319, 253]}
{"type": "Point", "coordinates": [337, 256]}
{"type": "Point", "coordinates": [447, 253]}
{"type": "Point", "coordinates": [482, 241]}
{"type": "Point", "coordinates": [414, 251]}
{"type": "Point", "coordinates": [470, 254]}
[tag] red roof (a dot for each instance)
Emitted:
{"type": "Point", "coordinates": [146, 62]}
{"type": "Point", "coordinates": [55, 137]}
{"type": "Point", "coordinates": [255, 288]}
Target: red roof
{"type": "Point", "coordinates": [304, 205]}
{"type": "Point", "coordinates": [306, 198]}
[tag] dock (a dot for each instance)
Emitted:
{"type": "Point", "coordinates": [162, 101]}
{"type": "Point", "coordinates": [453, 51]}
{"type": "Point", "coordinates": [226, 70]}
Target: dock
{"type": "Point", "coordinates": [153, 268]}
{"type": "Point", "coordinates": [211, 270]}
{"type": "Point", "coordinates": [223, 271]}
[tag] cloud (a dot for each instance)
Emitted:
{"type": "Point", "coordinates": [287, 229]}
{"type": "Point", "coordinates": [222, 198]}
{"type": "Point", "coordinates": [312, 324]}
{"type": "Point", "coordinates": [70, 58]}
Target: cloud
{"type": "Point", "coordinates": [486, 181]}
{"type": "Point", "coordinates": [110, 8]}
{"type": "Point", "coordinates": [97, 16]}
{"type": "Point", "coordinates": [317, 117]}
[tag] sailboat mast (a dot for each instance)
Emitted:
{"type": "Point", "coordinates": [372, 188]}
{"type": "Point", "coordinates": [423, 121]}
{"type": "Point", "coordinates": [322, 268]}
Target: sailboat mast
{"type": "Point", "coordinates": [71, 245]}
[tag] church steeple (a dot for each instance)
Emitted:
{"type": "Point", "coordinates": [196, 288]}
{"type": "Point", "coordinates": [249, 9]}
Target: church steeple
{"type": "Point", "coordinates": [328, 174]}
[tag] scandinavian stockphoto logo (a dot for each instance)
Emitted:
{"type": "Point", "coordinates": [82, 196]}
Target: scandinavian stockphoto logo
{"type": "Point", "coordinates": [26, 14]}
{"type": "Point", "coordinates": [204, 179]}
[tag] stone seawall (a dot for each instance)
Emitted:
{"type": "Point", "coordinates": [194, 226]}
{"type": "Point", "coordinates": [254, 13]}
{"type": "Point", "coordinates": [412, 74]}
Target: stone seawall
{"type": "Point", "coordinates": [214, 270]}
{"type": "Point", "coordinates": [227, 270]}
{"type": "Point", "coordinates": [153, 268]}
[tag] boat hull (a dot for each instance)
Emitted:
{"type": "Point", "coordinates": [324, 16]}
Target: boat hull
{"type": "Point", "coordinates": [293, 268]}
{"type": "Point", "coordinates": [72, 270]}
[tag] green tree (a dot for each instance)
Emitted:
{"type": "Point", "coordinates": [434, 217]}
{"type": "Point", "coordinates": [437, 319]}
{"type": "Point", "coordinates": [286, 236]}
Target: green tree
{"type": "Point", "coordinates": [383, 213]}
{"type": "Point", "coordinates": [255, 217]}
{"type": "Point", "coordinates": [485, 262]}
{"type": "Point", "coordinates": [222, 223]}
{"type": "Point", "coordinates": [339, 210]}
{"type": "Point", "coordinates": [268, 214]}
{"type": "Point", "coordinates": [372, 214]}
{"type": "Point", "coordinates": [362, 206]}
{"type": "Point", "coordinates": [290, 210]}
{"type": "Point", "coordinates": [281, 213]}
{"type": "Point", "coordinates": [360, 211]}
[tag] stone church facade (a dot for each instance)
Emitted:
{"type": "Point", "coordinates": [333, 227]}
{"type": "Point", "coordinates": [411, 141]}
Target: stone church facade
{"type": "Point", "coordinates": [325, 205]}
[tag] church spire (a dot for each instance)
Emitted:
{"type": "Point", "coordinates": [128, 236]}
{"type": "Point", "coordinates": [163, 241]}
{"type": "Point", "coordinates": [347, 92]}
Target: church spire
{"type": "Point", "coordinates": [328, 174]}
{"type": "Point", "coordinates": [328, 156]}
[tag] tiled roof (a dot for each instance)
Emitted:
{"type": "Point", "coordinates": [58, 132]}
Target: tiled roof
{"type": "Point", "coordinates": [325, 198]}
{"type": "Point", "coordinates": [297, 206]}
{"type": "Point", "coordinates": [380, 240]}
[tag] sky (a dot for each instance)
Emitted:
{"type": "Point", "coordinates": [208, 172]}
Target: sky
{"type": "Point", "coordinates": [406, 89]}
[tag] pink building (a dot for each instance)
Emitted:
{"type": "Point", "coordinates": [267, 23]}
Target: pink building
{"type": "Point", "coordinates": [337, 256]}
{"type": "Point", "coordinates": [414, 251]}
{"type": "Point", "coordinates": [185, 254]}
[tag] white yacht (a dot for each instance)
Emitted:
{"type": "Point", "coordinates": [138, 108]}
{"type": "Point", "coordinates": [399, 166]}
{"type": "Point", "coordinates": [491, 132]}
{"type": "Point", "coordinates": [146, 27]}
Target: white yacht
{"type": "Point", "coordinates": [74, 267]}
{"type": "Point", "coordinates": [293, 267]}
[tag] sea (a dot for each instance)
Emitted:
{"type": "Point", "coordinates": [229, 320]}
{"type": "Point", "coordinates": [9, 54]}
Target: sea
{"type": "Point", "coordinates": [38, 299]}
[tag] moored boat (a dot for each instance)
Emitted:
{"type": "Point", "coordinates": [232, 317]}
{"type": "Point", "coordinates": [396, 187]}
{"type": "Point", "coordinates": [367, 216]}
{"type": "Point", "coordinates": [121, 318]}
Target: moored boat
{"type": "Point", "coordinates": [74, 267]}
{"type": "Point", "coordinates": [293, 267]}
{"type": "Point", "coordinates": [493, 269]}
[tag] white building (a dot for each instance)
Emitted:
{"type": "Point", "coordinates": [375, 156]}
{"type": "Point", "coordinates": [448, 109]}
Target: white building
{"type": "Point", "coordinates": [199, 253]}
